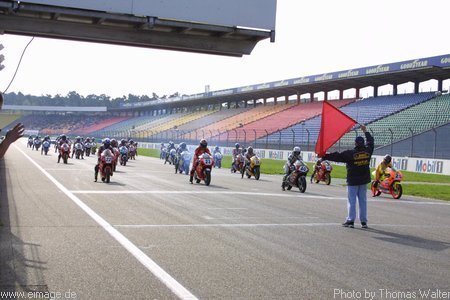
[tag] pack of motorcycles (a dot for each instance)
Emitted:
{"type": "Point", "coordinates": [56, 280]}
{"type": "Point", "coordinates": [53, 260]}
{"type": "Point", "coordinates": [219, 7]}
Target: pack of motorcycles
{"type": "Point", "coordinates": [391, 184]}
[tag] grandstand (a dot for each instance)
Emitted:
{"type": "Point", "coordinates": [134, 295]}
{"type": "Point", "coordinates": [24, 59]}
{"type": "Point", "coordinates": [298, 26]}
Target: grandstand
{"type": "Point", "coordinates": [253, 115]}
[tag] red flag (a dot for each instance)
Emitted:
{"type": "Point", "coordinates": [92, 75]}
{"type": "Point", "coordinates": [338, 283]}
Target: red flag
{"type": "Point", "coordinates": [333, 126]}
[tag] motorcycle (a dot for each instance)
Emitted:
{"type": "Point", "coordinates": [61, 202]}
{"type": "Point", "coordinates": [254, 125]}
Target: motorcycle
{"type": "Point", "coordinates": [123, 155]}
{"type": "Point", "coordinates": [37, 144]}
{"type": "Point", "coordinates": [93, 148]}
{"type": "Point", "coordinates": [203, 169]}
{"type": "Point", "coordinates": [252, 168]}
{"type": "Point", "coordinates": [390, 185]}
{"type": "Point", "coordinates": [106, 165]}
{"type": "Point", "coordinates": [218, 160]}
{"type": "Point", "coordinates": [238, 165]}
{"type": "Point", "coordinates": [184, 162]}
{"type": "Point", "coordinates": [45, 147]}
{"type": "Point", "coordinates": [171, 156]}
{"type": "Point", "coordinates": [78, 150]}
{"type": "Point", "coordinates": [297, 178]}
{"type": "Point", "coordinates": [132, 152]}
{"type": "Point", "coordinates": [30, 143]}
{"type": "Point", "coordinates": [163, 153]}
{"type": "Point", "coordinates": [87, 147]}
{"type": "Point", "coordinates": [323, 172]}
{"type": "Point", "coordinates": [65, 151]}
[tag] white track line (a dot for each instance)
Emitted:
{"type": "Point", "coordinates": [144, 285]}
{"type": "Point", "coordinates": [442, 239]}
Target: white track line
{"type": "Point", "coordinates": [289, 194]}
{"type": "Point", "coordinates": [296, 195]}
{"type": "Point", "coordinates": [337, 225]}
{"type": "Point", "coordinates": [162, 275]}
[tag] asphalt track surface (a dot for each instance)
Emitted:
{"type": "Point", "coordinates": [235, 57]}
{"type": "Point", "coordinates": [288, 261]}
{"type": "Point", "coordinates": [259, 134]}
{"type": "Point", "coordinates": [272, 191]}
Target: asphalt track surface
{"type": "Point", "coordinates": [149, 234]}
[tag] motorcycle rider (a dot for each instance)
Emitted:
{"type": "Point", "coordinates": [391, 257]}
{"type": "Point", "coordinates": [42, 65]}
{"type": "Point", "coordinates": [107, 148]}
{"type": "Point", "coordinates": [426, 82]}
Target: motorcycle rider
{"type": "Point", "coordinates": [235, 153]}
{"type": "Point", "coordinates": [30, 141]}
{"type": "Point", "coordinates": [288, 168]}
{"type": "Point", "coordinates": [181, 148]}
{"type": "Point", "coordinates": [62, 140]}
{"type": "Point", "coordinates": [170, 147]}
{"type": "Point", "coordinates": [217, 150]}
{"type": "Point", "coordinates": [202, 148]}
{"type": "Point", "coordinates": [78, 141]}
{"type": "Point", "coordinates": [106, 145]}
{"type": "Point", "coordinates": [380, 172]}
{"type": "Point", "coordinates": [46, 139]}
{"type": "Point", "coordinates": [317, 167]}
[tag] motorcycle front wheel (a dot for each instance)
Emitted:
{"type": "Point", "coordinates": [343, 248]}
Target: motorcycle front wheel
{"type": "Point", "coordinates": [397, 190]}
{"type": "Point", "coordinates": [257, 173]}
{"type": "Point", "coordinates": [207, 177]}
{"type": "Point", "coordinates": [301, 184]}
{"type": "Point", "coordinates": [327, 178]}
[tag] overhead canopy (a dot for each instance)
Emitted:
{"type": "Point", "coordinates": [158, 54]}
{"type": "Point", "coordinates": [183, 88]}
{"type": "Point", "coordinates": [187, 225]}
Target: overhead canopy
{"type": "Point", "coordinates": [231, 27]}
{"type": "Point", "coordinates": [418, 70]}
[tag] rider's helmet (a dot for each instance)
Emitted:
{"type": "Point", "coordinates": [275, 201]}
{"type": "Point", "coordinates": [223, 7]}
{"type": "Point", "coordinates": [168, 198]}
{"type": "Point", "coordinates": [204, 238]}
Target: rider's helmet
{"type": "Point", "coordinates": [88, 140]}
{"type": "Point", "coordinates": [114, 142]}
{"type": "Point", "coordinates": [387, 158]}
{"type": "Point", "coordinates": [183, 145]}
{"type": "Point", "coordinates": [106, 142]}
{"type": "Point", "coordinates": [78, 139]}
{"type": "Point", "coordinates": [131, 142]}
{"type": "Point", "coordinates": [217, 148]}
{"type": "Point", "coordinates": [237, 145]}
{"type": "Point", "coordinates": [123, 142]}
{"type": "Point", "coordinates": [296, 151]}
{"type": "Point", "coordinates": [47, 137]}
{"type": "Point", "coordinates": [250, 150]}
{"type": "Point", "coordinates": [64, 137]}
{"type": "Point", "coordinates": [359, 141]}
{"type": "Point", "coordinates": [203, 143]}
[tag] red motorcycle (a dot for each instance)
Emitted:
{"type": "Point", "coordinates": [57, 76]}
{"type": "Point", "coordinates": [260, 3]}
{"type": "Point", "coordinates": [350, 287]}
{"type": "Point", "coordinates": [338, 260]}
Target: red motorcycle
{"type": "Point", "coordinates": [106, 165]}
{"type": "Point", "coordinates": [297, 178]}
{"type": "Point", "coordinates": [203, 169]}
{"type": "Point", "coordinates": [390, 185]}
{"type": "Point", "coordinates": [323, 172]}
{"type": "Point", "coordinates": [65, 152]}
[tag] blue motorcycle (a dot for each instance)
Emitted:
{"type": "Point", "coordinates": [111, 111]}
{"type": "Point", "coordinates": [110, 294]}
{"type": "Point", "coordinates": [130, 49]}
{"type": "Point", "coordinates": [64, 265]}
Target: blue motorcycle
{"type": "Point", "coordinates": [184, 162]}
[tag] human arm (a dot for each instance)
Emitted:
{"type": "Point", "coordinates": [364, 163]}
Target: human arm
{"type": "Point", "coordinates": [10, 137]}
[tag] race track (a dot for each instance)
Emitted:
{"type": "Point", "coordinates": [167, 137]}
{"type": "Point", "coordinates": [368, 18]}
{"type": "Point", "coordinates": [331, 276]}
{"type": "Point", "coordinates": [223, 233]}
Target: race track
{"type": "Point", "coordinates": [149, 234]}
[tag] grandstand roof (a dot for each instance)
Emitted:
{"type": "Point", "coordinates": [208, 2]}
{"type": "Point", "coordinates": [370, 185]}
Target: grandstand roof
{"type": "Point", "coordinates": [417, 70]}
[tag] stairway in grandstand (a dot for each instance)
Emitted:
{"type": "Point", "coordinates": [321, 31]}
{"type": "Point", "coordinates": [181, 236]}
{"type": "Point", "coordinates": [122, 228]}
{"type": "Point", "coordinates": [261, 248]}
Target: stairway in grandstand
{"type": "Point", "coordinates": [364, 111]}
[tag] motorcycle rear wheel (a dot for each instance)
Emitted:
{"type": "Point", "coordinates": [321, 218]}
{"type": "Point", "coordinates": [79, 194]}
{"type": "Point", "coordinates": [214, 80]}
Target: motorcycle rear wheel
{"type": "Point", "coordinates": [375, 191]}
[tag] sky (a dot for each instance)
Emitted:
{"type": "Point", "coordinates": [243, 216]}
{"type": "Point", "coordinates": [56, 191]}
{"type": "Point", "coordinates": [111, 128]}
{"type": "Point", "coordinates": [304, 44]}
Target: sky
{"type": "Point", "coordinates": [312, 37]}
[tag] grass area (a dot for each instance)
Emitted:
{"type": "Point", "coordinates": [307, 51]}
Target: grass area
{"type": "Point", "coordinates": [429, 190]}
